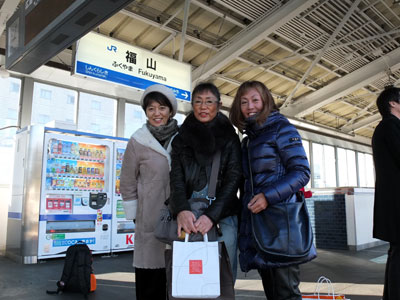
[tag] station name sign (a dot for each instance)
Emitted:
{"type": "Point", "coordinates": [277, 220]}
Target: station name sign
{"type": "Point", "coordinates": [107, 59]}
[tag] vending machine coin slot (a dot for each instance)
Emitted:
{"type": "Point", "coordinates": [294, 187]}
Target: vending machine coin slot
{"type": "Point", "coordinates": [97, 200]}
{"type": "Point", "coordinates": [85, 201]}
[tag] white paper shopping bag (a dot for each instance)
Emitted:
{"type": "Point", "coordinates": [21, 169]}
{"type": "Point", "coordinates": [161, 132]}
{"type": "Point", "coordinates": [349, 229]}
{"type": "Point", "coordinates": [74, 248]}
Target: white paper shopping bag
{"type": "Point", "coordinates": [331, 295]}
{"type": "Point", "coordinates": [195, 269]}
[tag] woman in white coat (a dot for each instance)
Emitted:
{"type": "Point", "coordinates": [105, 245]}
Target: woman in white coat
{"type": "Point", "coordinates": [145, 187]}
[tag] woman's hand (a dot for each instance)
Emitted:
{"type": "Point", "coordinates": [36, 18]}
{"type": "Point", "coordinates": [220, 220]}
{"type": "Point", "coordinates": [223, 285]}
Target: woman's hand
{"type": "Point", "coordinates": [258, 203]}
{"type": "Point", "coordinates": [203, 224]}
{"type": "Point", "coordinates": [186, 221]}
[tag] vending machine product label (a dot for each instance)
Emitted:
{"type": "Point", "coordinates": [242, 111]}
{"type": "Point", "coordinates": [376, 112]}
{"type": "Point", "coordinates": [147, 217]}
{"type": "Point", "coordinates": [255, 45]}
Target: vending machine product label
{"type": "Point", "coordinates": [58, 236]}
{"type": "Point", "coordinates": [99, 216]}
{"type": "Point", "coordinates": [120, 210]}
{"type": "Point", "coordinates": [59, 203]}
{"type": "Point", "coordinates": [70, 242]}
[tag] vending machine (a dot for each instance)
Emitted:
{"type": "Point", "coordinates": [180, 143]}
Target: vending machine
{"type": "Point", "coordinates": [123, 230]}
{"type": "Point", "coordinates": [76, 197]}
{"type": "Point", "coordinates": [66, 188]}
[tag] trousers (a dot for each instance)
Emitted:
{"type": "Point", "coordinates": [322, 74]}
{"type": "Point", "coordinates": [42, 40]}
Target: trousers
{"type": "Point", "coordinates": [229, 229]}
{"type": "Point", "coordinates": [151, 284]}
{"type": "Point", "coordinates": [281, 283]}
{"type": "Point", "coordinates": [391, 288]}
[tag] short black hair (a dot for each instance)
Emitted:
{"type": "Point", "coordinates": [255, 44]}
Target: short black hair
{"type": "Point", "coordinates": [157, 97]}
{"type": "Point", "coordinates": [206, 86]}
{"type": "Point", "coordinates": [389, 94]}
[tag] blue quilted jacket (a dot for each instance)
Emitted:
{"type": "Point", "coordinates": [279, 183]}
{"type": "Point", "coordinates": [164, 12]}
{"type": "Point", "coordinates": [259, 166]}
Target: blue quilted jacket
{"type": "Point", "coordinates": [280, 168]}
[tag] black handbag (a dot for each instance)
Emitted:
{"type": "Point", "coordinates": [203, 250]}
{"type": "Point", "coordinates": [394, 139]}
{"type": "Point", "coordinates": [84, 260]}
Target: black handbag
{"type": "Point", "coordinates": [166, 228]}
{"type": "Point", "coordinates": [283, 232]}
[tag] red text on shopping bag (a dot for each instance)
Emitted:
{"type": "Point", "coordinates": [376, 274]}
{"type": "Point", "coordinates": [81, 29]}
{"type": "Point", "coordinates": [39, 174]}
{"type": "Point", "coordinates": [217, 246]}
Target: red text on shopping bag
{"type": "Point", "coordinates": [195, 267]}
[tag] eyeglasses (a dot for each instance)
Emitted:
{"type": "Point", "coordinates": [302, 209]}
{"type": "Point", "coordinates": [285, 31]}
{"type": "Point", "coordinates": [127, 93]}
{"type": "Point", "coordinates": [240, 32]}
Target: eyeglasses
{"type": "Point", "coordinates": [207, 103]}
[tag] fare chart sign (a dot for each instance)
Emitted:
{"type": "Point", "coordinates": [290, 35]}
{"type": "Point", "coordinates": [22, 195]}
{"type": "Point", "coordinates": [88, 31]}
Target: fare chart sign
{"type": "Point", "coordinates": [104, 58]}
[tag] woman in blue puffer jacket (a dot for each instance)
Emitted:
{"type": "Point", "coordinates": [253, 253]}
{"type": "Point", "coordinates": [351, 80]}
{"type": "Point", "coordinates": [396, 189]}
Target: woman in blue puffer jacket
{"type": "Point", "coordinates": [279, 169]}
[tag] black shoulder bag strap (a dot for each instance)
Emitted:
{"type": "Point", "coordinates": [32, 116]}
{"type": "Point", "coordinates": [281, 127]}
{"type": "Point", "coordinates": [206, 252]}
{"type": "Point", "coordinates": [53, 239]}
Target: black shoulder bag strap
{"type": "Point", "coordinates": [212, 185]}
{"type": "Point", "coordinates": [249, 163]}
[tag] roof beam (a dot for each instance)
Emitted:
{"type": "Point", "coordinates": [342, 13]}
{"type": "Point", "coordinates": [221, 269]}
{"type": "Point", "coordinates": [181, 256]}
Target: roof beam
{"type": "Point", "coordinates": [248, 38]}
{"type": "Point", "coordinates": [166, 28]}
{"type": "Point", "coordinates": [322, 51]}
{"type": "Point", "coordinates": [247, 61]}
{"type": "Point", "coordinates": [364, 111]}
{"type": "Point", "coordinates": [363, 123]}
{"type": "Point", "coordinates": [232, 8]}
{"type": "Point", "coordinates": [344, 86]}
{"type": "Point", "coordinates": [165, 42]}
{"type": "Point", "coordinates": [184, 27]}
{"type": "Point", "coordinates": [282, 45]}
{"type": "Point", "coordinates": [238, 83]}
{"type": "Point", "coordinates": [218, 13]}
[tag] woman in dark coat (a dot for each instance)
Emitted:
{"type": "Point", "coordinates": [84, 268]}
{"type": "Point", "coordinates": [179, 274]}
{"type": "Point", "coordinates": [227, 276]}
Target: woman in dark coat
{"type": "Point", "coordinates": [203, 132]}
{"type": "Point", "coordinates": [279, 169]}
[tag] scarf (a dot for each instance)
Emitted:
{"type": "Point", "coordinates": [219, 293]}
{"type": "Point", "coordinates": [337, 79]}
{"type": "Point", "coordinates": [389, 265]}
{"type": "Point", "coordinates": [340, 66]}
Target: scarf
{"type": "Point", "coordinates": [164, 133]}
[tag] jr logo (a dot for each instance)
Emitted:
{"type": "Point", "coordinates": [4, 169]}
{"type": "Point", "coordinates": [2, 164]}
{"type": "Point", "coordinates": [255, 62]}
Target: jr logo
{"type": "Point", "coordinates": [112, 48]}
{"type": "Point", "coordinates": [129, 239]}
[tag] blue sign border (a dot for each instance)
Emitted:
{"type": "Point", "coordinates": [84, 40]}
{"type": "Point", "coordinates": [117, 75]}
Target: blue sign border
{"type": "Point", "coordinates": [122, 78]}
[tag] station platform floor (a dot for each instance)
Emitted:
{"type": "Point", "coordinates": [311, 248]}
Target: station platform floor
{"type": "Point", "coordinates": [357, 274]}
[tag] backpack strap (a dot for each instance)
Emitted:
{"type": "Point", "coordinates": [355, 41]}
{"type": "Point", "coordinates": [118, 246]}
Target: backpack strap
{"type": "Point", "coordinates": [68, 263]}
{"type": "Point", "coordinates": [83, 284]}
{"type": "Point", "coordinates": [67, 271]}
{"type": "Point", "coordinates": [53, 292]}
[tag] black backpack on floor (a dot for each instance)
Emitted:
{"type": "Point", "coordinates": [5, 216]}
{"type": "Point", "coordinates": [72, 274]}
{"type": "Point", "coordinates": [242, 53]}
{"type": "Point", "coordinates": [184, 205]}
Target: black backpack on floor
{"type": "Point", "coordinates": [77, 275]}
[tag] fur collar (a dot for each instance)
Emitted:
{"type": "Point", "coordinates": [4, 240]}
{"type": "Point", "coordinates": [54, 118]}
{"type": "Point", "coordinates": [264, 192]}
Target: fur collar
{"type": "Point", "coordinates": [143, 136]}
{"type": "Point", "coordinates": [206, 138]}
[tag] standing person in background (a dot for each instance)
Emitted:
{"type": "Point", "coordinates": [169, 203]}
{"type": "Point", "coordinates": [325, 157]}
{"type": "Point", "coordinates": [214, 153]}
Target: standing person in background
{"type": "Point", "coordinates": [203, 132]}
{"type": "Point", "coordinates": [279, 169]}
{"type": "Point", "coordinates": [145, 187]}
{"type": "Point", "coordinates": [386, 153]}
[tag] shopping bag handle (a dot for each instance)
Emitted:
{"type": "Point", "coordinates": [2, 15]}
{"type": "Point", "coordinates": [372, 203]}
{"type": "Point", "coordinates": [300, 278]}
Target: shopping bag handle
{"type": "Point", "coordinates": [321, 281]}
{"type": "Point", "coordinates": [205, 238]}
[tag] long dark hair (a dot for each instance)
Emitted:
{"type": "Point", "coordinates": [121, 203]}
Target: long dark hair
{"type": "Point", "coordinates": [236, 115]}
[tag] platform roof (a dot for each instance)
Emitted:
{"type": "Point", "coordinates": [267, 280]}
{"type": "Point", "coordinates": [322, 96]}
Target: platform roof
{"type": "Point", "coordinates": [324, 61]}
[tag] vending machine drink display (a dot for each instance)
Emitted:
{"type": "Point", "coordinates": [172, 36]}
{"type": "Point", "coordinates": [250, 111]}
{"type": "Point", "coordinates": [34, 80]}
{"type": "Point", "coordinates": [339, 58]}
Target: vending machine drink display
{"type": "Point", "coordinates": [65, 190]}
{"type": "Point", "coordinates": [76, 198]}
{"type": "Point", "coordinates": [123, 230]}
